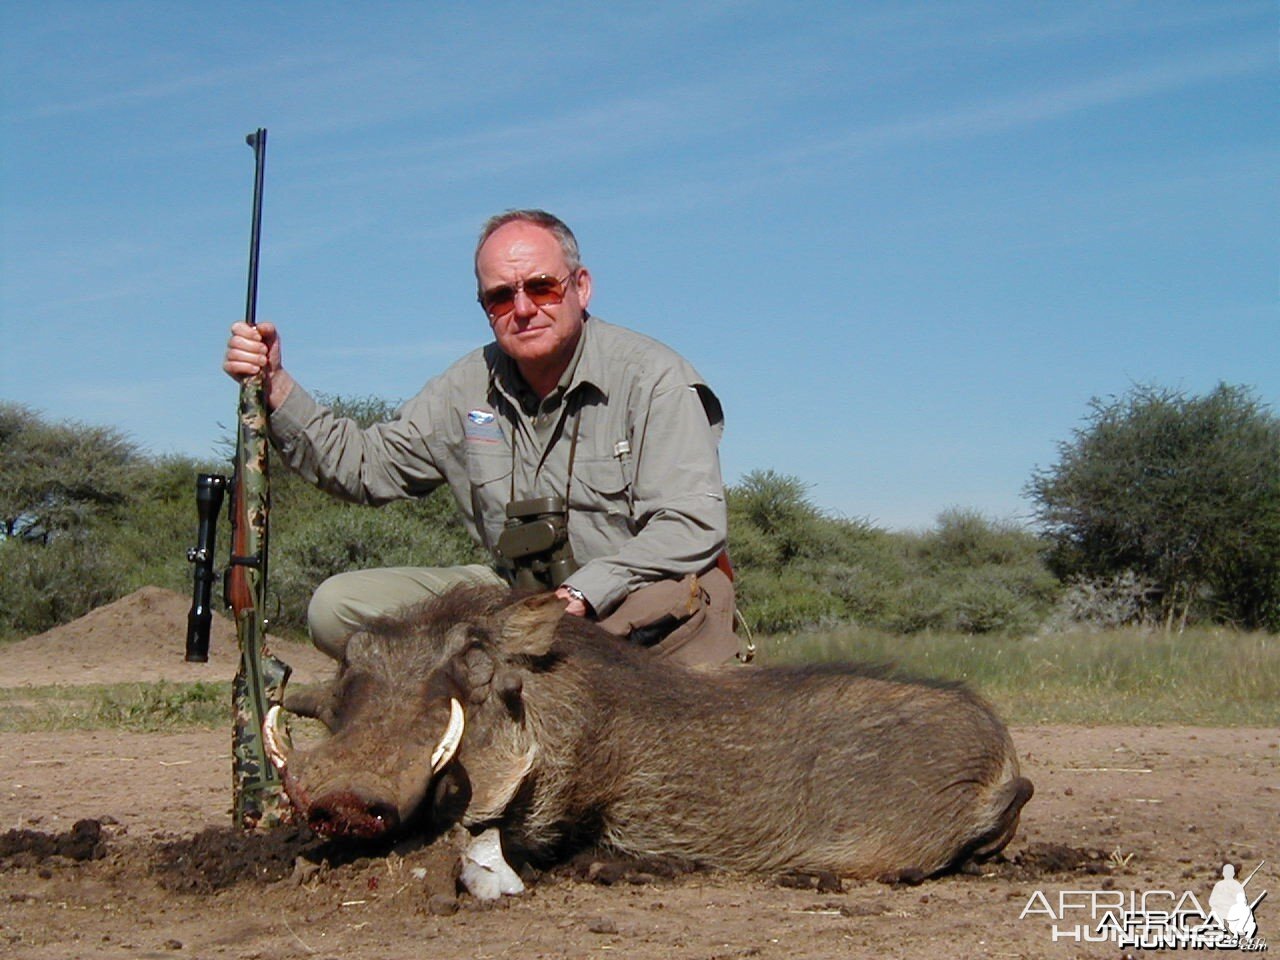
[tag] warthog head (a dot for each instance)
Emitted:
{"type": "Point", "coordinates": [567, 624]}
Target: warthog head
{"type": "Point", "coordinates": [431, 697]}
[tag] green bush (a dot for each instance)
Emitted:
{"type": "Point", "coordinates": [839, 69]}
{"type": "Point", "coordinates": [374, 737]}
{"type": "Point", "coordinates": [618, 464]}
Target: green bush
{"type": "Point", "coordinates": [786, 601]}
{"type": "Point", "coordinates": [996, 599]}
{"type": "Point", "coordinates": [310, 546]}
{"type": "Point", "coordinates": [43, 585]}
{"type": "Point", "coordinates": [798, 567]}
{"type": "Point", "coordinates": [965, 538]}
{"type": "Point", "coordinates": [869, 581]}
{"type": "Point", "coordinates": [59, 477]}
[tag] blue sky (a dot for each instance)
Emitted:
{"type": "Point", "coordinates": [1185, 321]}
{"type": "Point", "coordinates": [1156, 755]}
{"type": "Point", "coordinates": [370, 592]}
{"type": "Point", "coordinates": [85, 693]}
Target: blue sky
{"type": "Point", "coordinates": [905, 242]}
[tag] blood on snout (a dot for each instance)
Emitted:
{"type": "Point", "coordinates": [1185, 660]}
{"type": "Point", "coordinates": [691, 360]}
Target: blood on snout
{"type": "Point", "coordinates": [344, 813]}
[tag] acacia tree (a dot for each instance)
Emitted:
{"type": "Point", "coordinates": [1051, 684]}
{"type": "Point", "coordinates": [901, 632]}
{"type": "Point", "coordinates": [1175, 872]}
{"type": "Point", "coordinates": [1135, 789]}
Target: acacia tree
{"type": "Point", "coordinates": [60, 476]}
{"type": "Point", "coordinates": [1183, 490]}
{"type": "Point", "coordinates": [63, 486]}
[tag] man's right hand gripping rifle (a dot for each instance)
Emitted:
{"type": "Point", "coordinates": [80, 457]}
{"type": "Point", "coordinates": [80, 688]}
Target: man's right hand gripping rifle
{"type": "Point", "coordinates": [256, 349]}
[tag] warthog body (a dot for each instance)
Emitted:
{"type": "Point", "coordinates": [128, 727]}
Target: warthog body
{"type": "Point", "coordinates": [573, 738]}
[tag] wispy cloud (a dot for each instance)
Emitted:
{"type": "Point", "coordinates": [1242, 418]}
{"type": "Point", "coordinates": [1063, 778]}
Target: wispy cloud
{"type": "Point", "coordinates": [723, 180]}
{"type": "Point", "coordinates": [657, 121]}
{"type": "Point", "coordinates": [965, 121]}
{"type": "Point", "coordinates": [1024, 108]}
{"type": "Point", "coordinates": [975, 26]}
{"type": "Point", "coordinates": [173, 82]}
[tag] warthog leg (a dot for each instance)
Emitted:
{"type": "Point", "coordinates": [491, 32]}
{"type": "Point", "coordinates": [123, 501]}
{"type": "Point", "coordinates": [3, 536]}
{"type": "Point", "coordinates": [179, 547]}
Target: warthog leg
{"type": "Point", "coordinates": [485, 872]}
{"type": "Point", "coordinates": [1009, 800]}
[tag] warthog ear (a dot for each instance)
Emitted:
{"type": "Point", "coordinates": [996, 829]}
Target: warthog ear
{"type": "Point", "coordinates": [478, 676]}
{"type": "Point", "coordinates": [473, 670]}
{"type": "Point", "coordinates": [528, 627]}
{"type": "Point", "coordinates": [316, 701]}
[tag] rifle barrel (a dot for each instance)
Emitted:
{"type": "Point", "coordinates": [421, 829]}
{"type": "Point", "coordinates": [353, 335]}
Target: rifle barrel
{"type": "Point", "coordinates": [257, 140]}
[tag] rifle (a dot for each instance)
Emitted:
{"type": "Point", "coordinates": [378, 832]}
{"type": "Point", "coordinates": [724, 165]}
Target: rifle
{"type": "Point", "coordinates": [258, 796]}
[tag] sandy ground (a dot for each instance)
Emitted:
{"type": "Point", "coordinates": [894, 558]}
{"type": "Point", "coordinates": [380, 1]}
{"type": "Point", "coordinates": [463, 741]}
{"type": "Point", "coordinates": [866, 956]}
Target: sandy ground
{"type": "Point", "coordinates": [157, 872]}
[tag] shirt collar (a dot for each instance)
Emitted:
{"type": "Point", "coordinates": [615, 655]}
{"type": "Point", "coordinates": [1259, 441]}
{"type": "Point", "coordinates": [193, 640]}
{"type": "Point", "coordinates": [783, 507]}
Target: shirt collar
{"type": "Point", "coordinates": [589, 366]}
{"type": "Point", "coordinates": [586, 366]}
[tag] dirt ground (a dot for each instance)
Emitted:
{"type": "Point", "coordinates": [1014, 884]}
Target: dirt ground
{"type": "Point", "coordinates": [118, 845]}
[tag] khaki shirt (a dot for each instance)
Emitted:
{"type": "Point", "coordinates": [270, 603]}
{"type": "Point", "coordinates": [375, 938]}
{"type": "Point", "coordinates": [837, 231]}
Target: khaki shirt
{"type": "Point", "coordinates": [646, 501]}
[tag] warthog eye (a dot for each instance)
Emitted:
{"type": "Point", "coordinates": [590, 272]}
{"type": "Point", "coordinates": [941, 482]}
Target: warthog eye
{"type": "Point", "coordinates": [509, 685]}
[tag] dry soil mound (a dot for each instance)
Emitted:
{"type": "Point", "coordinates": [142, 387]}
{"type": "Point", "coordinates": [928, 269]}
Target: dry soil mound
{"type": "Point", "coordinates": [141, 637]}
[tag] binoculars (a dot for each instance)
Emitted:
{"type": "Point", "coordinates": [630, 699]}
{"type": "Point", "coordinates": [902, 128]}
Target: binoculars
{"type": "Point", "coordinates": [534, 544]}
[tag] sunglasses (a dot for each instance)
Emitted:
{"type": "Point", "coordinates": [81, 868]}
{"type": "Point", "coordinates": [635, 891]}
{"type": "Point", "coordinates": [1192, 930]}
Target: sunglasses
{"type": "Point", "coordinates": [542, 290]}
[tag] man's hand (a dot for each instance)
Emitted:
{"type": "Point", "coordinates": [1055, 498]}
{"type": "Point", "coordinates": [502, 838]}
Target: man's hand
{"type": "Point", "coordinates": [256, 349]}
{"type": "Point", "coordinates": [574, 604]}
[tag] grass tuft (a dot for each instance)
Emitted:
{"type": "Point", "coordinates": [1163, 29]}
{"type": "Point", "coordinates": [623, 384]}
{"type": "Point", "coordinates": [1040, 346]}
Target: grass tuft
{"type": "Point", "coordinates": [143, 707]}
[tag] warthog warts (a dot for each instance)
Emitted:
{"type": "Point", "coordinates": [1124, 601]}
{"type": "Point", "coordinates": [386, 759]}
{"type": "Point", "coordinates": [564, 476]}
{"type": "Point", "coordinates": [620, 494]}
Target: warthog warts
{"type": "Point", "coordinates": [561, 736]}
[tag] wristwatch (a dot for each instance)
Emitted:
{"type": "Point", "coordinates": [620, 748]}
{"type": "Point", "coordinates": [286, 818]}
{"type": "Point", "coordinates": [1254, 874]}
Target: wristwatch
{"type": "Point", "coordinates": [575, 594]}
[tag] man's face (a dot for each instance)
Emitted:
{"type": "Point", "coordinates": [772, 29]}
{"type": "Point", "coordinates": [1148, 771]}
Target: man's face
{"type": "Point", "coordinates": [538, 338]}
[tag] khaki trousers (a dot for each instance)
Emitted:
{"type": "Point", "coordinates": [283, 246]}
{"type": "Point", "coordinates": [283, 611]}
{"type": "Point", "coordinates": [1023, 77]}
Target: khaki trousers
{"type": "Point", "coordinates": [344, 603]}
{"type": "Point", "coordinates": [696, 612]}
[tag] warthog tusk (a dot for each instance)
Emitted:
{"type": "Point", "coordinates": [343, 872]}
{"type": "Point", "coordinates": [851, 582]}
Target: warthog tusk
{"type": "Point", "coordinates": [448, 745]}
{"type": "Point", "coordinates": [275, 739]}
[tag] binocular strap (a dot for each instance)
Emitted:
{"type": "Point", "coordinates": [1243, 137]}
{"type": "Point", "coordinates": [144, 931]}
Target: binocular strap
{"type": "Point", "coordinates": [573, 451]}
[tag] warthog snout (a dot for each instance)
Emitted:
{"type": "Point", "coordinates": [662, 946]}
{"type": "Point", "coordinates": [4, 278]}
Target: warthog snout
{"type": "Point", "coordinates": [345, 813]}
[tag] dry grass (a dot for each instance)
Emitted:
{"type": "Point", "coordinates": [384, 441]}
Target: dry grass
{"type": "Point", "coordinates": [118, 706]}
{"type": "Point", "coordinates": [1214, 677]}
{"type": "Point", "coordinates": [1211, 676]}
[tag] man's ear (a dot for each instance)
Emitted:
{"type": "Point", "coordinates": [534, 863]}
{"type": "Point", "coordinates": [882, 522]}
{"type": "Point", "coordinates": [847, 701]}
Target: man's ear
{"type": "Point", "coordinates": [528, 627]}
{"type": "Point", "coordinates": [584, 287]}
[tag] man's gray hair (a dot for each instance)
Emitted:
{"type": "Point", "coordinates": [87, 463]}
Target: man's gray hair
{"type": "Point", "coordinates": [549, 221]}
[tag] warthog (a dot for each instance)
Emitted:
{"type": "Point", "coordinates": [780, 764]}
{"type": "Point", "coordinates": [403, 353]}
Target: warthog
{"type": "Point", "coordinates": [561, 737]}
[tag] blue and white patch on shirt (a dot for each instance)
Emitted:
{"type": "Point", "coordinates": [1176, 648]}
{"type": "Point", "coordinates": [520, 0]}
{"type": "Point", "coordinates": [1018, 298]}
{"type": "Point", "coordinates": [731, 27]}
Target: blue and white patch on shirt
{"type": "Point", "coordinates": [481, 426]}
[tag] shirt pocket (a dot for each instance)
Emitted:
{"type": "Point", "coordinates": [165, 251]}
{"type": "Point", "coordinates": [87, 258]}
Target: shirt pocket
{"type": "Point", "coordinates": [600, 489]}
{"type": "Point", "coordinates": [489, 474]}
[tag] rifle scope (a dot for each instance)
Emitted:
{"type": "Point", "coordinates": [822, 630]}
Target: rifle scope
{"type": "Point", "coordinates": [209, 490]}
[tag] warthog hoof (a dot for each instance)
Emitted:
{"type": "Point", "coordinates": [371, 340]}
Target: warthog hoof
{"type": "Point", "coordinates": [485, 873]}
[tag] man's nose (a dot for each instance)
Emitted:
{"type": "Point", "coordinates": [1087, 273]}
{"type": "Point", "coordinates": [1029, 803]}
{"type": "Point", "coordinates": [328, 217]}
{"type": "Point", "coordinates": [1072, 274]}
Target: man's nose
{"type": "Point", "coordinates": [522, 305]}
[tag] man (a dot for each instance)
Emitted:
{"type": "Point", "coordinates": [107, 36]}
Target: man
{"type": "Point", "coordinates": [561, 405]}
